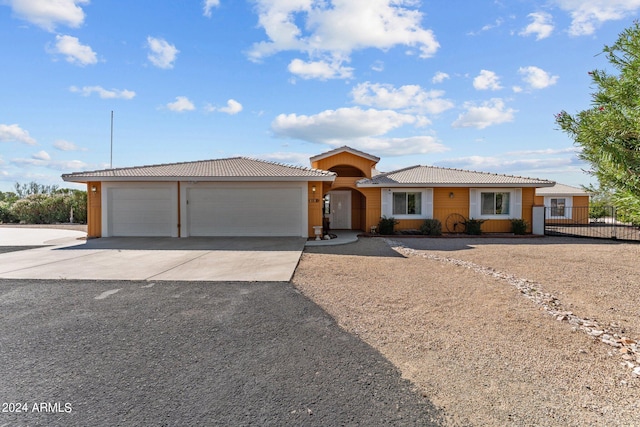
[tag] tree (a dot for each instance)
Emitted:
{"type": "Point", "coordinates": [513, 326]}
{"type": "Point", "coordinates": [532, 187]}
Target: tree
{"type": "Point", "coordinates": [609, 131]}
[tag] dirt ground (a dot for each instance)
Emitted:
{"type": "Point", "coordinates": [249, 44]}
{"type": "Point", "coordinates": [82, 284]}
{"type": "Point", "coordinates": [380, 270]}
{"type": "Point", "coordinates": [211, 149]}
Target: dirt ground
{"type": "Point", "coordinates": [496, 332]}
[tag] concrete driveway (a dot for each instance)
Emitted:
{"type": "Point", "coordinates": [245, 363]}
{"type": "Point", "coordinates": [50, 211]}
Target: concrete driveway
{"type": "Point", "coordinates": [147, 258]}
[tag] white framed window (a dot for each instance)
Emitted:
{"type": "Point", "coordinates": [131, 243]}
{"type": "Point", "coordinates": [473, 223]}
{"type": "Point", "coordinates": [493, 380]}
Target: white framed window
{"type": "Point", "coordinates": [558, 207]}
{"type": "Point", "coordinates": [495, 203]}
{"type": "Point", "coordinates": [407, 203]}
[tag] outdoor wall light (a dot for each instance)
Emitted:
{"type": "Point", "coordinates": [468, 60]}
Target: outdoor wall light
{"type": "Point", "coordinates": [94, 189]}
{"type": "Point", "coordinates": [451, 195]}
{"type": "Point", "coordinates": [313, 189]}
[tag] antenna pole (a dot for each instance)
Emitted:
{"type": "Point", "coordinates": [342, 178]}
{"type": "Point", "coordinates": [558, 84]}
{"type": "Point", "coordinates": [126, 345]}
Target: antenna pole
{"type": "Point", "coordinates": [111, 162]}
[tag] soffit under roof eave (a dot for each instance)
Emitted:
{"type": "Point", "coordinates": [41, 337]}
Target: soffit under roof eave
{"type": "Point", "coordinates": [85, 179]}
{"type": "Point", "coordinates": [454, 185]}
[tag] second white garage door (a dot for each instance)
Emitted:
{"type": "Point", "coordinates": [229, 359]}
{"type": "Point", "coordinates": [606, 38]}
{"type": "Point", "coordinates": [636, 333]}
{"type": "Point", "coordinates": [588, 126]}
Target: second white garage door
{"type": "Point", "coordinates": [245, 211]}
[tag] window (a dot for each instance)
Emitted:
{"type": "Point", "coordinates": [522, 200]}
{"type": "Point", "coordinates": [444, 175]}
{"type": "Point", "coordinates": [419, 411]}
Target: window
{"type": "Point", "coordinates": [558, 207]}
{"type": "Point", "coordinates": [407, 203]}
{"type": "Point", "coordinates": [495, 203]}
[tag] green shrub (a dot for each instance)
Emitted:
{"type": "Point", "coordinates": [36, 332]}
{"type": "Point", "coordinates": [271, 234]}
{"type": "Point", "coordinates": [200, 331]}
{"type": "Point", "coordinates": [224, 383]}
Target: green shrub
{"type": "Point", "coordinates": [6, 215]}
{"type": "Point", "coordinates": [473, 226]}
{"type": "Point", "coordinates": [386, 225]}
{"type": "Point", "coordinates": [431, 227]}
{"type": "Point", "coordinates": [519, 226]}
{"type": "Point", "coordinates": [50, 208]}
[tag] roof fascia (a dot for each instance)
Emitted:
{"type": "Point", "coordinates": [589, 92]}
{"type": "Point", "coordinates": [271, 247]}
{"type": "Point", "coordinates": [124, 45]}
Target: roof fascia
{"type": "Point", "coordinates": [198, 179]}
{"type": "Point", "coordinates": [452, 185]}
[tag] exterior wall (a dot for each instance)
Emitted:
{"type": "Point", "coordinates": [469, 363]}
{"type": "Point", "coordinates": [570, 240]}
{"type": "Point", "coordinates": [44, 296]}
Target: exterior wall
{"type": "Point", "coordinates": [315, 205]}
{"type": "Point", "coordinates": [445, 205]}
{"type": "Point", "coordinates": [373, 207]}
{"type": "Point", "coordinates": [345, 158]}
{"type": "Point", "coordinates": [579, 210]}
{"type": "Point", "coordinates": [94, 209]}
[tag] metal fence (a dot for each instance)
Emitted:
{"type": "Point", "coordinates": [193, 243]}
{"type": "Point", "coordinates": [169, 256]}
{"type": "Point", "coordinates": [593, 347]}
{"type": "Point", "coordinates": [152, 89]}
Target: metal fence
{"type": "Point", "coordinates": [577, 222]}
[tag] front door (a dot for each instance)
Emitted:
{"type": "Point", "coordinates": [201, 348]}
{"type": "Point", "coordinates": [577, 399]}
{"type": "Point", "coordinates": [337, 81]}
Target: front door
{"type": "Point", "coordinates": [340, 215]}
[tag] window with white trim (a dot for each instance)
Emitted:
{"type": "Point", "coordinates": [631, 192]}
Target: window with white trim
{"type": "Point", "coordinates": [495, 203]}
{"type": "Point", "coordinates": [558, 206]}
{"type": "Point", "coordinates": [407, 203]}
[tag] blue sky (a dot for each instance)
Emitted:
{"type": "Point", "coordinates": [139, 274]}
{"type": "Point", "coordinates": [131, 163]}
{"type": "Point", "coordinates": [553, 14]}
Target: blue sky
{"type": "Point", "coordinates": [463, 84]}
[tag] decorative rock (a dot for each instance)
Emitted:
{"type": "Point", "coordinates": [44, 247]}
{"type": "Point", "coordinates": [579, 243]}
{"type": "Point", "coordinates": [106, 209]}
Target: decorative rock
{"type": "Point", "coordinates": [629, 349]}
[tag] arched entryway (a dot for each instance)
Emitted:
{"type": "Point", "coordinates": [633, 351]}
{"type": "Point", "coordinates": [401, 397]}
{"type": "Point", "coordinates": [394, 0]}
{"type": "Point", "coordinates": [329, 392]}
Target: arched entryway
{"type": "Point", "coordinates": [344, 209]}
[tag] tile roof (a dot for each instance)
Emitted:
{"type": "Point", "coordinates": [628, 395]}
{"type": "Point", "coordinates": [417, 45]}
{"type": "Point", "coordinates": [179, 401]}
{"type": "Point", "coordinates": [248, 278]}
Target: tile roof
{"type": "Point", "coordinates": [348, 150]}
{"type": "Point", "coordinates": [441, 177]}
{"type": "Point", "coordinates": [561, 190]}
{"type": "Point", "coordinates": [236, 168]}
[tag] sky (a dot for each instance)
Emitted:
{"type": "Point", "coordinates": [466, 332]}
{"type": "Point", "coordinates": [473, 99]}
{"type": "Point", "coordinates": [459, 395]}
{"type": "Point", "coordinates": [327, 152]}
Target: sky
{"type": "Point", "coordinates": [461, 84]}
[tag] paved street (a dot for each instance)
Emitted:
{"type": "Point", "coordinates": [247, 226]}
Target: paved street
{"type": "Point", "coordinates": [131, 353]}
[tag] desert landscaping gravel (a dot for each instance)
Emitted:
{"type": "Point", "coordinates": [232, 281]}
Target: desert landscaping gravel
{"type": "Point", "coordinates": [449, 314]}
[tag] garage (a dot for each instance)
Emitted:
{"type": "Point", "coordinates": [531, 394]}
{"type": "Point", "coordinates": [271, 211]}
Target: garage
{"type": "Point", "coordinates": [246, 210]}
{"type": "Point", "coordinates": [147, 210]}
{"type": "Point", "coordinates": [235, 196]}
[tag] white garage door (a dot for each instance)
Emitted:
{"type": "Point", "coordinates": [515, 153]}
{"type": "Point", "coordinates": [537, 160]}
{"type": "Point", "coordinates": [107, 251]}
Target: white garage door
{"type": "Point", "coordinates": [238, 211]}
{"type": "Point", "coordinates": [146, 211]}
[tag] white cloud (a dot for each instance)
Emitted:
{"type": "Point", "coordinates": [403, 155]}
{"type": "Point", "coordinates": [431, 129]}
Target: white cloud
{"type": "Point", "coordinates": [541, 25]}
{"type": "Point", "coordinates": [321, 70]}
{"type": "Point", "coordinates": [536, 77]}
{"type": "Point", "coordinates": [59, 165]}
{"type": "Point", "coordinates": [423, 144]}
{"type": "Point", "coordinates": [506, 163]}
{"type": "Point", "coordinates": [14, 132]}
{"type": "Point", "coordinates": [332, 30]}
{"type": "Point", "coordinates": [104, 93]}
{"type": "Point", "coordinates": [181, 103]}
{"type": "Point", "coordinates": [47, 14]}
{"type": "Point", "coordinates": [162, 53]}
{"type": "Point", "coordinates": [587, 15]}
{"type": "Point", "coordinates": [487, 80]}
{"type": "Point", "coordinates": [340, 124]}
{"type": "Point", "coordinates": [409, 98]}
{"type": "Point", "coordinates": [360, 129]}
{"type": "Point", "coordinates": [440, 77]}
{"type": "Point", "coordinates": [208, 5]}
{"type": "Point", "coordinates": [74, 51]}
{"type": "Point", "coordinates": [63, 145]}
{"type": "Point", "coordinates": [498, 22]}
{"type": "Point", "coordinates": [233, 107]}
{"type": "Point", "coordinates": [378, 66]}
{"type": "Point", "coordinates": [489, 113]}
{"type": "Point", "coordinates": [41, 155]}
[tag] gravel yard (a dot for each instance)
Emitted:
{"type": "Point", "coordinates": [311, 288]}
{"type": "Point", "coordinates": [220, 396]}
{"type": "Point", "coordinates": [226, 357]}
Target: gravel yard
{"type": "Point", "coordinates": [446, 312]}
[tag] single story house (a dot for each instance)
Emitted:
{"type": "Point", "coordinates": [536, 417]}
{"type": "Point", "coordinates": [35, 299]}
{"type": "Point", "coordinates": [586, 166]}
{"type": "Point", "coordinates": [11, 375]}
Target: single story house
{"type": "Point", "coordinates": [248, 197]}
{"type": "Point", "coordinates": [564, 204]}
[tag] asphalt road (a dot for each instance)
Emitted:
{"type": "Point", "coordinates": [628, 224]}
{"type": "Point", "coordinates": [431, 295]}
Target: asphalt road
{"type": "Point", "coordinates": [106, 353]}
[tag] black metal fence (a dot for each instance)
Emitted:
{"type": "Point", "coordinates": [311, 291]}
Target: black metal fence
{"type": "Point", "coordinates": [577, 222]}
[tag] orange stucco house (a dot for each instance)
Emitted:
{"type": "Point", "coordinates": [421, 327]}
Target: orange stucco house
{"type": "Point", "coordinates": [249, 197]}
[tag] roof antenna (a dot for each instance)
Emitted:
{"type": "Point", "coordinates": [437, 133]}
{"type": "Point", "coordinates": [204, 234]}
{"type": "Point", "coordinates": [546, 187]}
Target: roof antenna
{"type": "Point", "coordinates": [111, 161]}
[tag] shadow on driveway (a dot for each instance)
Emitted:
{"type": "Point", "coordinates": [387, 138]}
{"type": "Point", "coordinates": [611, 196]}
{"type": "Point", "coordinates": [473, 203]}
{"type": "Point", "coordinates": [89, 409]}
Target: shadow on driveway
{"type": "Point", "coordinates": [178, 353]}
